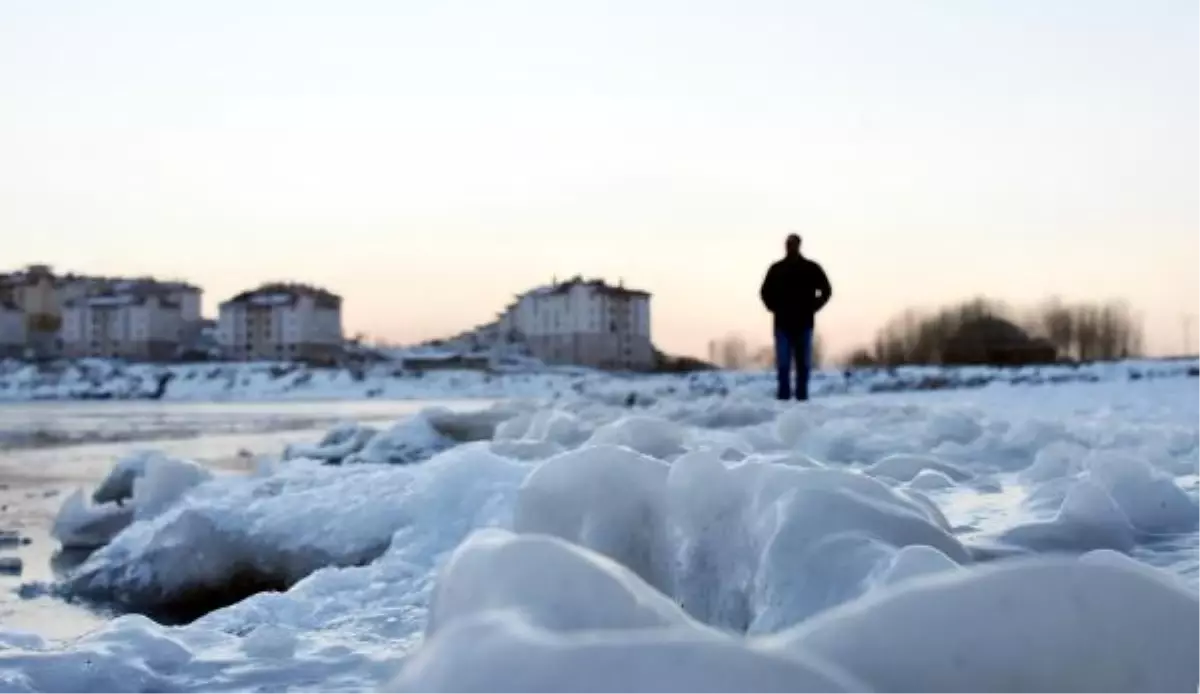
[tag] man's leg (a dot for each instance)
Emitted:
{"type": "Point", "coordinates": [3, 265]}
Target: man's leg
{"type": "Point", "coordinates": [803, 352]}
{"type": "Point", "coordinates": [783, 365]}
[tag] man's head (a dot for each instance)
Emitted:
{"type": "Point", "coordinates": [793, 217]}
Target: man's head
{"type": "Point", "coordinates": [792, 244]}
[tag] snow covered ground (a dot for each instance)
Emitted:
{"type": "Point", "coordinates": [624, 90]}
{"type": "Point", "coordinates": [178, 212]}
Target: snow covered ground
{"type": "Point", "coordinates": [258, 381]}
{"type": "Point", "coordinates": [697, 537]}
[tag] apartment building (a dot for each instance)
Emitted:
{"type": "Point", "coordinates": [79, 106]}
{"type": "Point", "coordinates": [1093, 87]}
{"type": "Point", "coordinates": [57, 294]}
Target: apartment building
{"type": "Point", "coordinates": [140, 320]}
{"type": "Point", "coordinates": [12, 329]}
{"type": "Point", "coordinates": [281, 321]}
{"type": "Point", "coordinates": [44, 297]}
{"type": "Point", "coordinates": [585, 323]}
{"type": "Point", "coordinates": [34, 291]}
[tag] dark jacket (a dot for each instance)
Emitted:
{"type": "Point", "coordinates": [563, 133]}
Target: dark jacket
{"type": "Point", "coordinates": [794, 289]}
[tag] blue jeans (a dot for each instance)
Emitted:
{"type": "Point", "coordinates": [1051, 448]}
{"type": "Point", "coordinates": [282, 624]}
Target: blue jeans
{"type": "Point", "coordinates": [793, 346]}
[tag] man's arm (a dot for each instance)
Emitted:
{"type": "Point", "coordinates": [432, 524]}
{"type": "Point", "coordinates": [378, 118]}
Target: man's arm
{"type": "Point", "coordinates": [824, 288]}
{"type": "Point", "coordinates": [768, 292]}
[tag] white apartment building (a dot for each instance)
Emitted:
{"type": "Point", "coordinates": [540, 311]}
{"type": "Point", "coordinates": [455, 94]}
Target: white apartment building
{"type": "Point", "coordinates": [132, 319]}
{"type": "Point", "coordinates": [12, 329]}
{"type": "Point", "coordinates": [281, 321]}
{"type": "Point", "coordinates": [43, 297]}
{"type": "Point", "coordinates": [583, 322]}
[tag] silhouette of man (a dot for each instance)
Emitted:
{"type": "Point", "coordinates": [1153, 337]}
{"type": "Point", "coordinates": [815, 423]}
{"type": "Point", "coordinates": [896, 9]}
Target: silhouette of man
{"type": "Point", "coordinates": [794, 290]}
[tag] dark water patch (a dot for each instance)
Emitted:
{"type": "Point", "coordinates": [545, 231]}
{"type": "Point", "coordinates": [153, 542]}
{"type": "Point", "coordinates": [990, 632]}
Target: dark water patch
{"type": "Point", "coordinates": [11, 566]}
{"type": "Point", "coordinates": [194, 603]}
{"type": "Point", "coordinates": [12, 538]}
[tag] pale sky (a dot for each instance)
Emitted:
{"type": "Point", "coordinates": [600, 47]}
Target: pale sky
{"type": "Point", "coordinates": [427, 160]}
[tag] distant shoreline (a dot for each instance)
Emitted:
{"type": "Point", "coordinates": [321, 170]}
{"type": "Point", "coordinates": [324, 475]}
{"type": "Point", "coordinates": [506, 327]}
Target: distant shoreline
{"type": "Point", "coordinates": [96, 379]}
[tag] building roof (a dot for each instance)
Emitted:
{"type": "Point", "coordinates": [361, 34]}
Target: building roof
{"type": "Point", "coordinates": [597, 285]}
{"type": "Point", "coordinates": [32, 274]}
{"type": "Point", "coordinates": [126, 294]}
{"type": "Point", "coordinates": [285, 294]}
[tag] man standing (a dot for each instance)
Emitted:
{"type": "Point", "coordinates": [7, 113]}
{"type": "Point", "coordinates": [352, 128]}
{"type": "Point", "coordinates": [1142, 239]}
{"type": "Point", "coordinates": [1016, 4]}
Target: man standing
{"type": "Point", "coordinates": [794, 290]}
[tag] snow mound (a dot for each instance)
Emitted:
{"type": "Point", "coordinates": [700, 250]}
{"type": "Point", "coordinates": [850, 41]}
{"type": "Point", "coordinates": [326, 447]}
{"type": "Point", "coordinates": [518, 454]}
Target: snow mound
{"type": "Point", "coordinates": [1059, 460]}
{"type": "Point", "coordinates": [130, 653]}
{"type": "Point", "coordinates": [499, 652]}
{"type": "Point", "coordinates": [722, 414]}
{"type": "Point", "coordinates": [1025, 625]}
{"type": "Point", "coordinates": [931, 480]}
{"type": "Point", "coordinates": [526, 450]}
{"type": "Point", "coordinates": [756, 546]}
{"type": "Point", "coordinates": [1109, 500]}
{"type": "Point", "coordinates": [1150, 499]}
{"type": "Point", "coordinates": [606, 498]}
{"type": "Point", "coordinates": [544, 578]}
{"type": "Point", "coordinates": [913, 561]}
{"type": "Point", "coordinates": [905, 467]}
{"type": "Point", "coordinates": [649, 435]}
{"type": "Point", "coordinates": [555, 426]}
{"type": "Point", "coordinates": [138, 487]}
{"type": "Point", "coordinates": [1088, 519]}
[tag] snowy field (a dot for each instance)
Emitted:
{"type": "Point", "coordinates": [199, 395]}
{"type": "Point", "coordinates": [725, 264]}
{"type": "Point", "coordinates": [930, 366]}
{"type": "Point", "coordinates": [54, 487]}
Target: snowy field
{"type": "Point", "coordinates": [695, 536]}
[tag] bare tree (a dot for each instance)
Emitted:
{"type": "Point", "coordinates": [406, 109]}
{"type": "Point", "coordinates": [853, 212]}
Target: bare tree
{"type": "Point", "coordinates": [982, 330]}
{"type": "Point", "coordinates": [730, 352]}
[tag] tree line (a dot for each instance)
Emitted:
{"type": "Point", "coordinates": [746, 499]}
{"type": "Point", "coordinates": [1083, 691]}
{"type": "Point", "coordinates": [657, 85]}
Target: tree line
{"type": "Point", "coordinates": [987, 331]}
{"type": "Point", "coordinates": [976, 331]}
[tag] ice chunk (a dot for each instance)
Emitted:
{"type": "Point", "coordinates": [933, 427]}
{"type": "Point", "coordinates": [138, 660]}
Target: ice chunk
{"type": "Point", "coordinates": [1058, 460]}
{"type": "Point", "coordinates": [913, 561]}
{"type": "Point", "coordinates": [558, 427]}
{"type": "Point", "coordinates": [139, 487]}
{"type": "Point", "coordinates": [607, 498]}
{"type": "Point", "coordinates": [754, 546]}
{"type": "Point", "coordinates": [479, 425]}
{"type": "Point", "coordinates": [931, 480]}
{"type": "Point", "coordinates": [236, 536]}
{"type": "Point", "coordinates": [793, 426]}
{"type": "Point", "coordinates": [525, 449]}
{"type": "Point", "coordinates": [1088, 519]}
{"type": "Point", "coordinates": [83, 525]}
{"type": "Point", "coordinates": [654, 437]}
{"type": "Point", "coordinates": [955, 427]}
{"type": "Point", "coordinates": [1022, 625]}
{"type": "Point", "coordinates": [829, 541]}
{"type": "Point", "coordinates": [128, 654]}
{"type": "Point", "coordinates": [716, 552]}
{"type": "Point", "coordinates": [513, 428]}
{"type": "Point", "coordinates": [725, 414]}
{"type": "Point", "coordinates": [409, 441]}
{"type": "Point", "coordinates": [552, 584]}
{"type": "Point", "coordinates": [268, 641]}
{"type": "Point", "coordinates": [341, 441]}
{"type": "Point", "coordinates": [499, 652]}
{"type": "Point", "coordinates": [792, 459]}
{"type": "Point", "coordinates": [904, 467]}
{"type": "Point", "coordinates": [1151, 500]}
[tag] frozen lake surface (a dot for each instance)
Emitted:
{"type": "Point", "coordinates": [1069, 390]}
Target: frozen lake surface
{"type": "Point", "coordinates": [1009, 537]}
